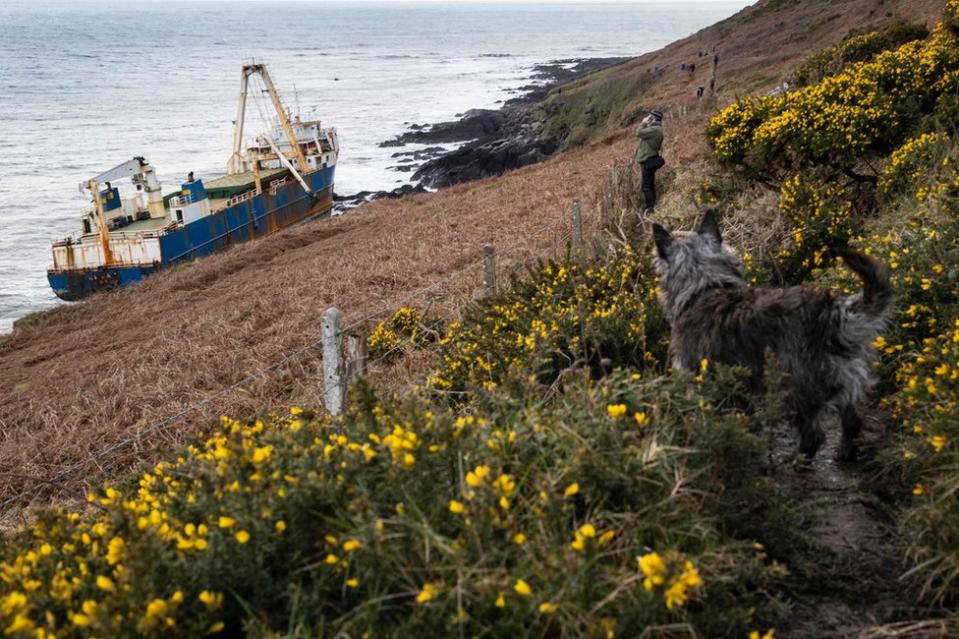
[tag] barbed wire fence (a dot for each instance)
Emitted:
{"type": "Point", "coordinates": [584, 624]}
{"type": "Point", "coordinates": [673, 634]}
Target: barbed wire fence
{"type": "Point", "coordinates": [330, 341]}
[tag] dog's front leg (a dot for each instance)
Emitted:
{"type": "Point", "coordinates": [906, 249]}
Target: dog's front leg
{"type": "Point", "coordinates": [851, 426]}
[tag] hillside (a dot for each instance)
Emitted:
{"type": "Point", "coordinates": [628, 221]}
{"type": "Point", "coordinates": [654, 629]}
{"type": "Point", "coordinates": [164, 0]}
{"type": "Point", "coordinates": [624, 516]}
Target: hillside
{"type": "Point", "coordinates": [758, 48]}
{"type": "Point", "coordinates": [92, 374]}
{"type": "Point", "coordinates": [527, 463]}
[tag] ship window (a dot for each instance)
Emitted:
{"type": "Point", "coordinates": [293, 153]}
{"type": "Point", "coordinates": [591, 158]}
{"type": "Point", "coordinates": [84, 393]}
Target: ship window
{"type": "Point", "coordinates": [86, 226]}
{"type": "Point", "coordinates": [179, 215]}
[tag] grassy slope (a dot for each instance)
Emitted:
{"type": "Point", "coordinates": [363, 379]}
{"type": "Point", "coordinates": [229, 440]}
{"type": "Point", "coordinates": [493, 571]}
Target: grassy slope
{"type": "Point", "coordinates": [91, 374]}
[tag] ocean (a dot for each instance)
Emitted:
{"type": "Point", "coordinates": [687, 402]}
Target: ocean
{"type": "Point", "coordinates": [87, 85]}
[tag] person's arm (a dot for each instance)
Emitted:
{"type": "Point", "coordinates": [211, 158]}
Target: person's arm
{"type": "Point", "coordinates": [645, 132]}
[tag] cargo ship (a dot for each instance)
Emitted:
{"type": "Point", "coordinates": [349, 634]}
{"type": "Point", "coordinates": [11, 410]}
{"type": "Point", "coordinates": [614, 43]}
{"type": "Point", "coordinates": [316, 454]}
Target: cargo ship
{"type": "Point", "coordinates": [283, 178]}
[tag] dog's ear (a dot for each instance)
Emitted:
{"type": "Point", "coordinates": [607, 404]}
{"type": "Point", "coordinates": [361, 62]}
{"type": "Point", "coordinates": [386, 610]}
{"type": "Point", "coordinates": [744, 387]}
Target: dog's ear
{"type": "Point", "coordinates": [663, 240]}
{"type": "Point", "coordinates": [709, 227]}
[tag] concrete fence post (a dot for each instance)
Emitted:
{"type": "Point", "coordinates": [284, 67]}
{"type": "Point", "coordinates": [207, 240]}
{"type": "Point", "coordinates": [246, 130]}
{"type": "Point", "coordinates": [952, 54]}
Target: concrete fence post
{"type": "Point", "coordinates": [489, 269]}
{"type": "Point", "coordinates": [334, 389]}
{"type": "Point", "coordinates": [357, 355]}
{"type": "Point", "coordinates": [577, 224]}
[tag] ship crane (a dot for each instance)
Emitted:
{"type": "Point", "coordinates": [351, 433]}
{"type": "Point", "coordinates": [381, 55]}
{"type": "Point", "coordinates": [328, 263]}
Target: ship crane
{"type": "Point", "coordinates": [143, 175]}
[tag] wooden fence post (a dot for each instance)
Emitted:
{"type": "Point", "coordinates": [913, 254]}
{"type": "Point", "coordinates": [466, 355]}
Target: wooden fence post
{"type": "Point", "coordinates": [332, 364]}
{"type": "Point", "coordinates": [489, 269]}
{"type": "Point", "coordinates": [577, 224]}
{"type": "Point", "coordinates": [356, 357]}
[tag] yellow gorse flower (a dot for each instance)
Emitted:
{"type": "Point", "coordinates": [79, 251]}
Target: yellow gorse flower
{"type": "Point", "coordinates": [477, 476]}
{"type": "Point", "coordinates": [427, 593]}
{"type": "Point", "coordinates": [654, 569]}
{"type": "Point", "coordinates": [616, 410]}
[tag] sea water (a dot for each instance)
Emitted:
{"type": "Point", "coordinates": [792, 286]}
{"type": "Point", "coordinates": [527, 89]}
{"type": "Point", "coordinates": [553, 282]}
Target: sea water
{"type": "Point", "coordinates": [87, 85]}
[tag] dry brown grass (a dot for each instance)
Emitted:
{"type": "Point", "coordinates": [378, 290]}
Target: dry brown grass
{"type": "Point", "coordinates": [109, 373]}
{"type": "Point", "coordinates": [930, 629]}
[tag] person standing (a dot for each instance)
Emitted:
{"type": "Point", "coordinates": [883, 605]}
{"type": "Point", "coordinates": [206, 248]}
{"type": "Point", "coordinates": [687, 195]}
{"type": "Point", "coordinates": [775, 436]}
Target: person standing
{"type": "Point", "coordinates": [650, 134]}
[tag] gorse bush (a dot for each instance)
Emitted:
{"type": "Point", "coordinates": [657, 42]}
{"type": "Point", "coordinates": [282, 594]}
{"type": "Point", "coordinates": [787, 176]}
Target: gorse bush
{"type": "Point", "coordinates": [868, 108]}
{"type": "Point", "coordinates": [926, 406]}
{"type": "Point", "coordinates": [925, 166]}
{"type": "Point", "coordinates": [596, 315]}
{"type": "Point", "coordinates": [921, 378]}
{"type": "Point", "coordinates": [857, 47]}
{"type": "Point", "coordinates": [597, 515]}
{"type": "Point", "coordinates": [407, 326]}
{"type": "Point", "coordinates": [819, 223]}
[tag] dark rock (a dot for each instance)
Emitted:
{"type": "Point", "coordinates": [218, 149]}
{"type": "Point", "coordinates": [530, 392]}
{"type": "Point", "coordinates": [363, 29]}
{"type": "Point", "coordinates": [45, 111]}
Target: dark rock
{"type": "Point", "coordinates": [406, 189]}
{"type": "Point", "coordinates": [476, 123]}
{"type": "Point", "coordinates": [478, 160]}
{"type": "Point", "coordinates": [495, 140]}
{"type": "Point", "coordinates": [420, 154]}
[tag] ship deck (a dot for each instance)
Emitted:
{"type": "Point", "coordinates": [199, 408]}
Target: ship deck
{"type": "Point", "coordinates": [227, 186]}
{"type": "Point", "coordinates": [152, 224]}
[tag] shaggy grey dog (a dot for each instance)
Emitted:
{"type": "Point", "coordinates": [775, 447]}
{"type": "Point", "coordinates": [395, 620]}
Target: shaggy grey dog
{"type": "Point", "coordinates": [823, 341]}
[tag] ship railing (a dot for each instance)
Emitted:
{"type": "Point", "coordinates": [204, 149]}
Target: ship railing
{"type": "Point", "coordinates": [181, 200]}
{"type": "Point", "coordinates": [115, 235]}
{"type": "Point", "coordinates": [130, 235]}
{"type": "Point", "coordinates": [276, 184]}
{"type": "Point", "coordinates": [242, 197]}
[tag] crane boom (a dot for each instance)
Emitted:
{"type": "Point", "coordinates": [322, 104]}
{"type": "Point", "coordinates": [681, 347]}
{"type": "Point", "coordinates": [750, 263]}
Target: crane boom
{"type": "Point", "coordinates": [287, 164]}
{"type": "Point", "coordinates": [127, 169]}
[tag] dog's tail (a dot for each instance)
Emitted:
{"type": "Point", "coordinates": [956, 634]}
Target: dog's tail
{"type": "Point", "coordinates": [877, 293]}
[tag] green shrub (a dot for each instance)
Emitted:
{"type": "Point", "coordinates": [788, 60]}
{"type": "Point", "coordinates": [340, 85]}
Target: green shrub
{"type": "Point", "coordinates": [819, 224]}
{"type": "Point", "coordinates": [868, 108]}
{"type": "Point", "coordinates": [857, 47]}
{"type": "Point", "coordinates": [604, 512]}
{"type": "Point", "coordinates": [567, 315]}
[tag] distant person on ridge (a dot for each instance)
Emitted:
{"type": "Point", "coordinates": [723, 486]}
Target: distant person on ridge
{"type": "Point", "coordinates": [650, 134]}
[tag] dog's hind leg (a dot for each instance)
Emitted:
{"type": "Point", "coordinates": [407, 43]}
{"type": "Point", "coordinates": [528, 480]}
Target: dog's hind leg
{"type": "Point", "coordinates": [805, 417]}
{"type": "Point", "coordinates": [851, 426]}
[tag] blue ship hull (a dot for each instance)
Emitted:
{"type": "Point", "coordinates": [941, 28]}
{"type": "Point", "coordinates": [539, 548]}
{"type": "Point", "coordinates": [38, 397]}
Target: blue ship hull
{"type": "Point", "coordinates": [259, 216]}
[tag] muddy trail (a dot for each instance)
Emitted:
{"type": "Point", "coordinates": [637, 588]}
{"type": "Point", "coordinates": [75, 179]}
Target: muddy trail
{"type": "Point", "coordinates": [846, 584]}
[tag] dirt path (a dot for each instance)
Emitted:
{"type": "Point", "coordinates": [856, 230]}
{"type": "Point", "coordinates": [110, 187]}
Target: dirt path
{"type": "Point", "coordinates": [847, 584]}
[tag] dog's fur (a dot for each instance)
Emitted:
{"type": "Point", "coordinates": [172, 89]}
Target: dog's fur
{"type": "Point", "coordinates": [823, 342]}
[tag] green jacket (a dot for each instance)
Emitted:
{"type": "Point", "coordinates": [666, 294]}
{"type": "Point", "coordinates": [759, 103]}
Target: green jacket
{"type": "Point", "coordinates": [650, 140]}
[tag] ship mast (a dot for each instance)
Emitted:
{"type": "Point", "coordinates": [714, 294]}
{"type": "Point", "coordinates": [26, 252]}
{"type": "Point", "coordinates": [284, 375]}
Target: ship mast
{"type": "Point", "coordinates": [236, 164]}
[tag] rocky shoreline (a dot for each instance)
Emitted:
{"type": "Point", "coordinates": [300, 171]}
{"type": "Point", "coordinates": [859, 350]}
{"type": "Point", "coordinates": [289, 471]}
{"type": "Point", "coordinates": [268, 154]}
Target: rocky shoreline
{"type": "Point", "coordinates": [491, 141]}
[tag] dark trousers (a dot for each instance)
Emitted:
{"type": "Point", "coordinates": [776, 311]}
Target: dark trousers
{"type": "Point", "coordinates": [649, 182]}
